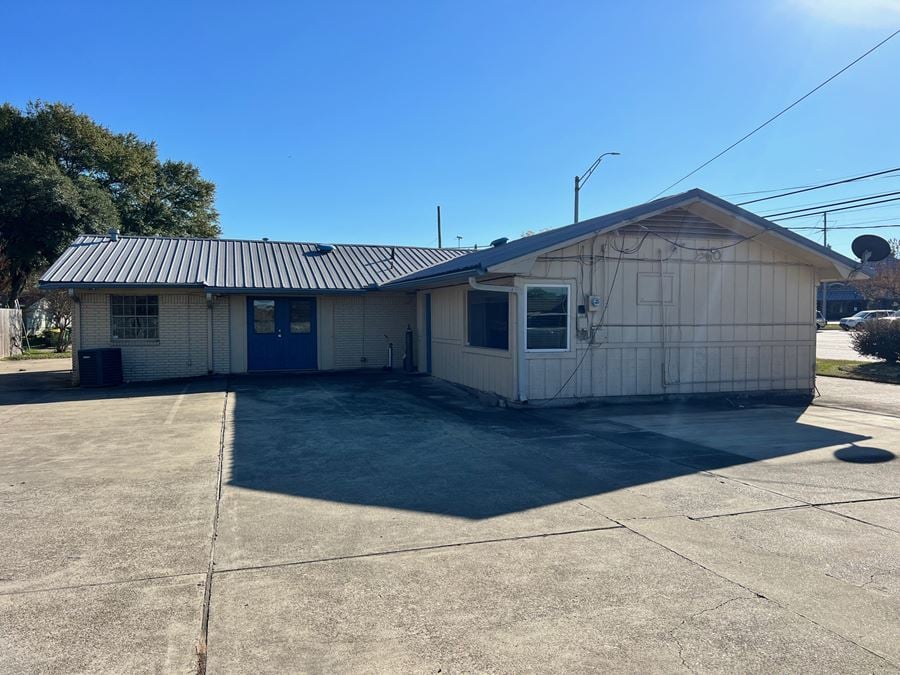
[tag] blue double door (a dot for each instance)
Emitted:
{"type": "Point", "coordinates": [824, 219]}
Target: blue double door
{"type": "Point", "coordinates": [281, 333]}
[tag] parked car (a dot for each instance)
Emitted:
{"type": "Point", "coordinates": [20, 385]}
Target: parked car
{"type": "Point", "coordinates": [893, 316]}
{"type": "Point", "coordinates": [850, 322]}
{"type": "Point", "coordinates": [820, 321]}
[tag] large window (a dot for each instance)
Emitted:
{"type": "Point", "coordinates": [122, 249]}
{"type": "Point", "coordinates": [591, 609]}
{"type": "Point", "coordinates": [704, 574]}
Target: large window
{"type": "Point", "coordinates": [134, 317]}
{"type": "Point", "coordinates": [488, 316]}
{"type": "Point", "coordinates": [547, 309]}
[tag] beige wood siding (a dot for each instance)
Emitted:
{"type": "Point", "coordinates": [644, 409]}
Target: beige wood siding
{"type": "Point", "coordinates": [490, 370]}
{"type": "Point", "coordinates": [741, 320]}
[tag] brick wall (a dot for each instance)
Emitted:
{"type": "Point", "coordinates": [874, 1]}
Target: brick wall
{"type": "Point", "coordinates": [361, 323]}
{"type": "Point", "coordinates": [357, 326]}
{"type": "Point", "coordinates": [182, 347]}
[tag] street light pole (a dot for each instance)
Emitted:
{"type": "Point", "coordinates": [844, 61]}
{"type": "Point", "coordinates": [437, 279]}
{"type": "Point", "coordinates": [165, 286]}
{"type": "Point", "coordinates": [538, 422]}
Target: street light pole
{"type": "Point", "coordinates": [581, 180]}
{"type": "Point", "coordinates": [577, 188]}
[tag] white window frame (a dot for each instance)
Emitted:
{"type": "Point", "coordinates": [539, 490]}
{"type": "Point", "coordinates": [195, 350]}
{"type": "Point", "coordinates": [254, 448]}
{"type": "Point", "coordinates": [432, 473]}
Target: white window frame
{"type": "Point", "coordinates": [568, 288]}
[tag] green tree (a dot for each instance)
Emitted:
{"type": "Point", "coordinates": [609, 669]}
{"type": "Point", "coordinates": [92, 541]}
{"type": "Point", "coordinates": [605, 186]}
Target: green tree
{"type": "Point", "coordinates": [41, 211]}
{"type": "Point", "coordinates": [63, 174]}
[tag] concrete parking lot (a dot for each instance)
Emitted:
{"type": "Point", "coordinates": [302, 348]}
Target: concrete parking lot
{"type": "Point", "coordinates": [386, 523]}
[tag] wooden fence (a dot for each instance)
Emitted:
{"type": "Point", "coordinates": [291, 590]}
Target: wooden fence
{"type": "Point", "coordinates": [10, 332]}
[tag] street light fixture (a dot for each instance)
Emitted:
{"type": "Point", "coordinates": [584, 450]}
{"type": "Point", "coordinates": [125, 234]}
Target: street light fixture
{"type": "Point", "coordinates": [581, 180]}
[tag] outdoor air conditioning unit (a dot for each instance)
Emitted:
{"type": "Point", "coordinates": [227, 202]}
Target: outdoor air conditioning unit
{"type": "Point", "coordinates": [100, 367]}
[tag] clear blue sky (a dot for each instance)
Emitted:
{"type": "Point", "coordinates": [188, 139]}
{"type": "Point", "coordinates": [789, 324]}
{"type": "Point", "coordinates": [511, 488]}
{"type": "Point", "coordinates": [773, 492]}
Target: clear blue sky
{"type": "Point", "coordinates": [349, 122]}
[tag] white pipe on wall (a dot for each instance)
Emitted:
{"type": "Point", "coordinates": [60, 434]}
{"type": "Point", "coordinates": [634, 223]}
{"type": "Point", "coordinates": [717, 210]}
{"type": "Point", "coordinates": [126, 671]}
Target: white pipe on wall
{"type": "Point", "coordinates": [209, 333]}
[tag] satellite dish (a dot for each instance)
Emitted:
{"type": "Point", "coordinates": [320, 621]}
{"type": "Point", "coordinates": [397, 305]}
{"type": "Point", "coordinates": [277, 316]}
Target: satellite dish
{"type": "Point", "coordinates": [870, 248]}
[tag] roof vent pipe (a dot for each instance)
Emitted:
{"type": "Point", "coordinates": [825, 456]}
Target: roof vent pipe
{"type": "Point", "coordinates": [499, 242]}
{"type": "Point", "coordinates": [113, 235]}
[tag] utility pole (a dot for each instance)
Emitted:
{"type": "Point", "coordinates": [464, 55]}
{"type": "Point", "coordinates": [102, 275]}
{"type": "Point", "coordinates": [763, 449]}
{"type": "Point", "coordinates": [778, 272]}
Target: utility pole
{"type": "Point", "coordinates": [825, 283]}
{"type": "Point", "coordinates": [440, 243]}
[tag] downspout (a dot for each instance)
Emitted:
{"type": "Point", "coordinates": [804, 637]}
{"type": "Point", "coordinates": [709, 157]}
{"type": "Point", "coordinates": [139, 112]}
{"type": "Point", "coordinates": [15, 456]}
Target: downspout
{"type": "Point", "coordinates": [76, 300]}
{"type": "Point", "coordinates": [209, 333]}
{"type": "Point", "coordinates": [521, 363]}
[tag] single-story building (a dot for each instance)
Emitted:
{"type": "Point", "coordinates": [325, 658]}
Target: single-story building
{"type": "Point", "coordinates": [684, 295]}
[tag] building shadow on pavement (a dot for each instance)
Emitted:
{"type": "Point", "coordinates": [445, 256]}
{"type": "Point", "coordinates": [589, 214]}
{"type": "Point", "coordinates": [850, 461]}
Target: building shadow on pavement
{"type": "Point", "coordinates": [417, 444]}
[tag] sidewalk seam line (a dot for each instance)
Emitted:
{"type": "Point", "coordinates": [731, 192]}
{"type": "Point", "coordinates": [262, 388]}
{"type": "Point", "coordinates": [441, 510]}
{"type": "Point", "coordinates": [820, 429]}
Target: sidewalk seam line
{"type": "Point", "coordinates": [203, 642]}
{"type": "Point", "coordinates": [415, 549]}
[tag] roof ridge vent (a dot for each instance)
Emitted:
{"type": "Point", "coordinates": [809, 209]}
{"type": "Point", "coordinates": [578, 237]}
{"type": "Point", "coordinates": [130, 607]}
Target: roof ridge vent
{"type": "Point", "coordinates": [499, 242]}
{"type": "Point", "coordinates": [324, 248]}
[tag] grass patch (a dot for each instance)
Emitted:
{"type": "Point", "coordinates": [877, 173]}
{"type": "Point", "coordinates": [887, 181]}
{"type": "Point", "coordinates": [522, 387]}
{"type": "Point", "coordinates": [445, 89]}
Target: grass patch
{"type": "Point", "coordinates": [832, 326]}
{"type": "Point", "coordinates": [874, 371]}
{"type": "Point", "coordinates": [39, 354]}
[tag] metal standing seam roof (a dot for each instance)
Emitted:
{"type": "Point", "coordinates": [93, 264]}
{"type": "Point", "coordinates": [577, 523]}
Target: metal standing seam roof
{"type": "Point", "coordinates": [478, 262]}
{"type": "Point", "coordinates": [234, 265]}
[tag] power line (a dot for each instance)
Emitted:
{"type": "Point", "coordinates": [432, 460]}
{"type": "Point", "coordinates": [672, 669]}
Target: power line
{"type": "Point", "coordinates": [843, 227]}
{"type": "Point", "coordinates": [860, 207]}
{"type": "Point", "coordinates": [815, 206]}
{"type": "Point", "coordinates": [895, 219]}
{"type": "Point", "coordinates": [819, 208]}
{"type": "Point", "coordinates": [776, 116]}
{"type": "Point", "coordinates": [843, 208]}
{"type": "Point", "coordinates": [819, 187]}
{"type": "Point", "coordinates": [794, 187]}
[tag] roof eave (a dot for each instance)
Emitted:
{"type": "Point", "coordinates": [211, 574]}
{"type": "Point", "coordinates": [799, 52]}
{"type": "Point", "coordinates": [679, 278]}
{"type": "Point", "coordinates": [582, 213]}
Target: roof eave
{"type": "Point", "coordinates": [424, 282]}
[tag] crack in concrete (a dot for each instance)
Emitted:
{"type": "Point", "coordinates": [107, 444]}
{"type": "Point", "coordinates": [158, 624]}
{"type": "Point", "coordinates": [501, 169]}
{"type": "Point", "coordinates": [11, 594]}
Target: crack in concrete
{"type": "Point", "coordinates": [878, 573]}
{"type": "Point", "coordinates": [203, 640]}
{"type": "Point", "coordinates": [415, 549]}
{"type": "Point", "coordinates": [762, 596]}
{"type": "Point", "coordinates": [100, 584]}
{"type": "Point", "coordinates": [674, 632]}
{"type": "Point", "coordinates": [859, 520]}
